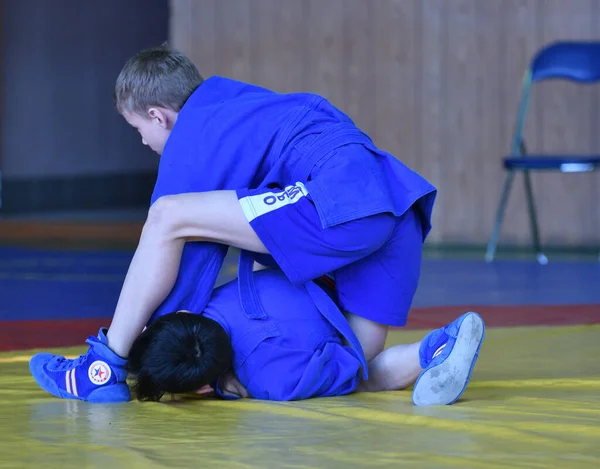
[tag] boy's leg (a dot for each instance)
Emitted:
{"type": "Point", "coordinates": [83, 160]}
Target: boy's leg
{"type": "Point", "coordinates": [173, 220]}
{"type": "Point", "coordinates": [377, 291]}
{"type": "Point", "coordinates": [441, 363]}
{"type": "Point", "coordinates": [291, 233]}
{"type": "Point", "coordinates": [393, 369]}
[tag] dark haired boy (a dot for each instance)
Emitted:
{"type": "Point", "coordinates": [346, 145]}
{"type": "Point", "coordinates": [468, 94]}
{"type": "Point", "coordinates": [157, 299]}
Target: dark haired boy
{"type": "Point", "coordinates": [293, 353]}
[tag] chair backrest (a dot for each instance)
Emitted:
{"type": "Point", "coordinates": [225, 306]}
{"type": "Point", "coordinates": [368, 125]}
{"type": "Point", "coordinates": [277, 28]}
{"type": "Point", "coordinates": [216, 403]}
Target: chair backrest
{"type": "Point", "coordinates": [577, 61]}
{"type": "Point", "coordinates": [567, 60]}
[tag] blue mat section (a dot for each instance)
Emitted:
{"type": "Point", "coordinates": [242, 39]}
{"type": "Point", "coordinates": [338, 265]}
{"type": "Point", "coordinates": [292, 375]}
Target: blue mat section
{"type": "Point", "coordinates": [36, 284]}
{"type": "Point", "coordinates": [518, 283]}
{"type": "Point", "coordinates": [41, 284]}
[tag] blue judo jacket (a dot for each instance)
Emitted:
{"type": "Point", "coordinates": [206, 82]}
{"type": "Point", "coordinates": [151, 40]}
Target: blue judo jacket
{"type": "Point", "coordinates": [231, 135]}
{"type": "Point", "coordinates": [294, 353]}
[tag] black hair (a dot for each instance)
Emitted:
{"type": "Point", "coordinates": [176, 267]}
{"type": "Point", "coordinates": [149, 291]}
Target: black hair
{"type": "Point", "coordinates": [178, 353]}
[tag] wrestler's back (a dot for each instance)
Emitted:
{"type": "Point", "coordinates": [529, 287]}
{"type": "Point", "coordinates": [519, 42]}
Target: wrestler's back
{"type": "Point", "coordinates": [292, 354]}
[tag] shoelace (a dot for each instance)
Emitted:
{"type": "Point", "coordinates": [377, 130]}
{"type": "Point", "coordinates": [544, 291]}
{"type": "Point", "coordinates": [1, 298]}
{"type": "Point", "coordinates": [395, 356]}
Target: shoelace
{"type": "Point", "coordinates": [69, 363]}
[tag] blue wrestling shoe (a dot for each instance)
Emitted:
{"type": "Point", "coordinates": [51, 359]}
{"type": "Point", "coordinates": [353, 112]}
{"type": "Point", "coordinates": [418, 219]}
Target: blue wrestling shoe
{"type": "Point", "coordinates": [97, 376]}
{"type": "Point", "coordinates": [448, 356]}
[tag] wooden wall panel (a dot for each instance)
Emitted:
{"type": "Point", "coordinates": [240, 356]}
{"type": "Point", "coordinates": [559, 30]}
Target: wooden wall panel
{"type": "Point", "coordinates": [435, 82]}
{"type": "Point", "coordinates": [520, 18]}
{"type": "Point", "coordinates": [395, 81]}
{"type": "Point", "coordinates": [280, 31]}
{"type": "Point", "coordinates": [464, 66]}
{"type": "Point", "coordinates": [430, 109]}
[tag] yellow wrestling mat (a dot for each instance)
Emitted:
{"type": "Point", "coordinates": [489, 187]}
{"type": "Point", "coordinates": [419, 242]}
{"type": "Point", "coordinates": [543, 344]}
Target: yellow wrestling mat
{"type": "Point", "coordinates": [533, 402]}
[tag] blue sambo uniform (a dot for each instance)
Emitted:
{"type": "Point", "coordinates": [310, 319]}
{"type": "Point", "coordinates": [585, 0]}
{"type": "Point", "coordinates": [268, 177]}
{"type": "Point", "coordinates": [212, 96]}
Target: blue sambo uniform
{"type": "Point", "coordinates": [235, 136]}
{"type": "Point", "coordinates": [293, 352]}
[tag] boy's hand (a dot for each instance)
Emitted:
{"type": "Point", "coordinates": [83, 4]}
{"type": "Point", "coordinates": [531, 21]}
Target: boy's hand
{"type": "Point", "coordinates": [230, 385]}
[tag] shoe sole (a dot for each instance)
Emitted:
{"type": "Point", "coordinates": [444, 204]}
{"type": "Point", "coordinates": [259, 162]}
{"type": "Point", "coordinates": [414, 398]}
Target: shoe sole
{"type": "Point", "coordinates": [445, 383]}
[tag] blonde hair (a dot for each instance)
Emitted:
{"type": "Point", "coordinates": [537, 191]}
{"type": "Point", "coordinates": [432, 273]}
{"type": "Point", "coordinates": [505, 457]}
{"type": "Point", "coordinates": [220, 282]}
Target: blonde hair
{"type": "Point", "coordinates": [156, 77]}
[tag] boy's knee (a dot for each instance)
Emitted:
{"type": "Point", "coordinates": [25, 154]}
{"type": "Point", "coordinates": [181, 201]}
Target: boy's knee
{"type": "Point", "coordinates": [371, 335]}
{"type": "Point", "coordinates": [163, 214]}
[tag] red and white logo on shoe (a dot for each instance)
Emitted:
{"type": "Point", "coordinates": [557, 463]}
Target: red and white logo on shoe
{"type": "Point", "coordinates": [438, 351]}
{"type": "Point", "coordinates": [99, 372]}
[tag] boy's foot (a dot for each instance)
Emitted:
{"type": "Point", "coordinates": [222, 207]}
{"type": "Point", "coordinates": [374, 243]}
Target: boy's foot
{"type": "Point", "coordinates": [97, 376]}
{"type": "Point", "coordinates": [447, 356]}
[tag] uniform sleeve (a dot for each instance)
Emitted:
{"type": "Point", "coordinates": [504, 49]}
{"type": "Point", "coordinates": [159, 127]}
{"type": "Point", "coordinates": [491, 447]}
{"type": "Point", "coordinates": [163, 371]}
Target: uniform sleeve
{"type": "Point", "coordinates": [201, 262]}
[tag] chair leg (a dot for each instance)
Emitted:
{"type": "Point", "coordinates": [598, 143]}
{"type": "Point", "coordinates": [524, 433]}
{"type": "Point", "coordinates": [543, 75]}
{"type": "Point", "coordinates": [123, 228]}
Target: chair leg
{"type": "Point", "coordinates": [491, 247]}
{"type": "Point", "coordinates": [541, 258]}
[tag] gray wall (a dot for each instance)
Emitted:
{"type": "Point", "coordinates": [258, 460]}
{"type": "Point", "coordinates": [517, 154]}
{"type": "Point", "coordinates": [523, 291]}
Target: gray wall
{"type": "Point", "coordinates": [59, 126]}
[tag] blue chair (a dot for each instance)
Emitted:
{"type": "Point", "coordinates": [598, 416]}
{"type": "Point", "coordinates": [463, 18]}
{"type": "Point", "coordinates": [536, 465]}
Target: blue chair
{"type": "Point", "coordinates": [574, 61]}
